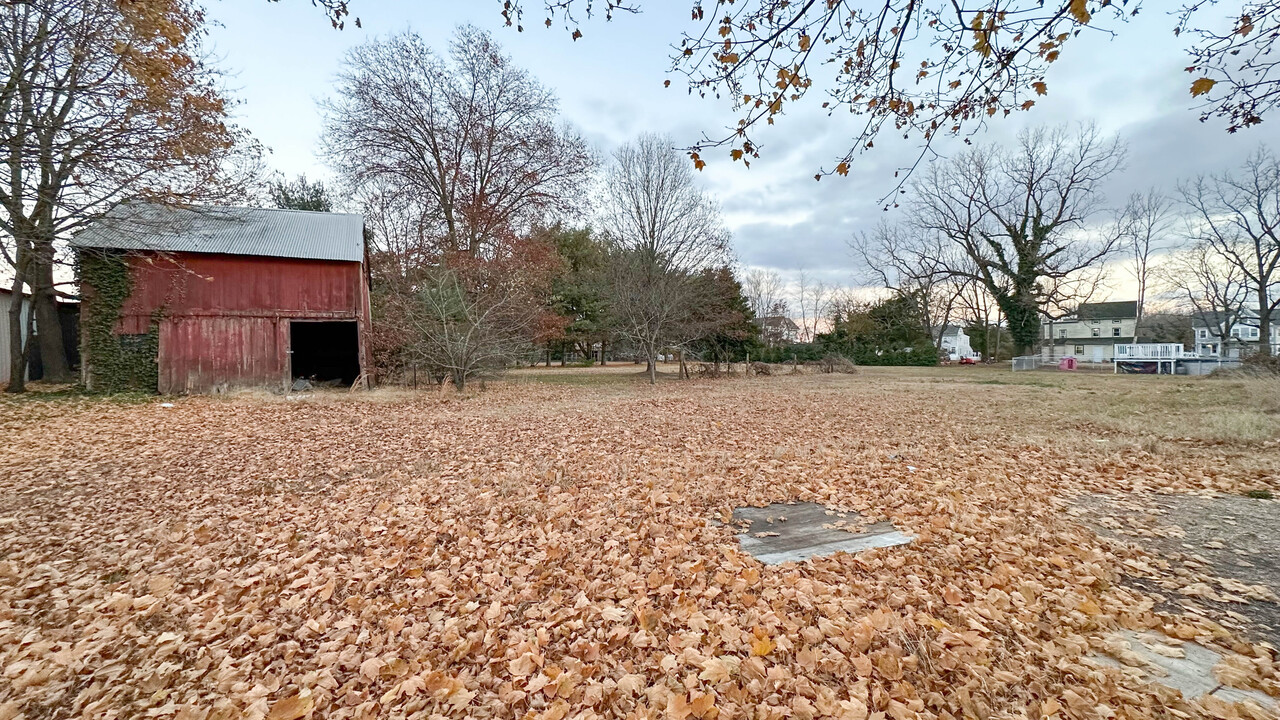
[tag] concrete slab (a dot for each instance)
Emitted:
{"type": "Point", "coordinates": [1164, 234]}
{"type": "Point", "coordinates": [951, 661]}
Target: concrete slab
{"type": "Point", "coordinates": [782, 533]}
{"type": "Point", "coordinates": [1183, 666]}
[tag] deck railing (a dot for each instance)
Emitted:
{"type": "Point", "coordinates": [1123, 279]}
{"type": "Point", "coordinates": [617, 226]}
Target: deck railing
{"type": "Point", "coordinates": [1152, 351]}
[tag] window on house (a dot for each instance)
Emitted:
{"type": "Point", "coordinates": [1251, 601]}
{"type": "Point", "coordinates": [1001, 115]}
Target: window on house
{"type": "Point", "coordinates": [1253, 332]}
{"type": "Point", "coordinates": [1062, 333]}
{"type": "Point", "coordinates": [1116, 321]}
{"type": "Point", "coordinates": [1079, 349]}
{"type": "Point", "coordinates": [1097, 332]}
{"type": "Point", "coordinates": [1202, 334]}
{"type": "Point", "coordinates": [1115, 332]}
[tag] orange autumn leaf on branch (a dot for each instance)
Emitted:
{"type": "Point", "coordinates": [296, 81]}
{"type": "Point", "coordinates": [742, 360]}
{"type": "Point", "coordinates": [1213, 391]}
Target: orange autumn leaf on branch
{"type": "Point", "coordinates": [1202, 86]}
{"type": "Point", "coordinates": [1080, 11]}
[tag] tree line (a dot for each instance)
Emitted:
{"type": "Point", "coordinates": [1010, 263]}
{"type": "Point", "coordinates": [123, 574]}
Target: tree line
{"type": "Point", "coordinates": [498, 233]}
{"type": "Point", "coordinates": [1011, 236]}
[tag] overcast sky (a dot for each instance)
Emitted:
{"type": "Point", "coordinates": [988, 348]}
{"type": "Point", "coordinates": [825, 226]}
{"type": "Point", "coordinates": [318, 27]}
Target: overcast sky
{"type": "Point", "coordinates": [283, 56]}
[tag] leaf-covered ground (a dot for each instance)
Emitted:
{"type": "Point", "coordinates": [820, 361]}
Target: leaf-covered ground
{"type": "Point", "coordinates": [554, 550]}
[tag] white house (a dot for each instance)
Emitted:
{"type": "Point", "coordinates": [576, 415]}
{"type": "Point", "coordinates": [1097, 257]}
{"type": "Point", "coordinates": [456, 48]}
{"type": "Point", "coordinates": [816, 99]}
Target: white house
{"type": "Point", "coordinates": [1091, 334]}
{"type": "Point", "coordinates": [954, 342]}
{"type": "Point", "coordinates": [1244, 334]}
{"type": "Point", "coordinates": [777, 330]}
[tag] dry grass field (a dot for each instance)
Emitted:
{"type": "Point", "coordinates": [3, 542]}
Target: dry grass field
{"type": "Point", "coordinates": [553, 547]}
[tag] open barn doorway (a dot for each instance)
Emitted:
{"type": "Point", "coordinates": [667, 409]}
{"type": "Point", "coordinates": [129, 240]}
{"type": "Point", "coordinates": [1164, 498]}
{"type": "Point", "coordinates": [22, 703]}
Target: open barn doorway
{"type": "Point", "coordinates": [325, 352]}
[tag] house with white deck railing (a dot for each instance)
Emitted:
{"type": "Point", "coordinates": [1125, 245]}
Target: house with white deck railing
{"type": "Point", "coordinates": [1091, 333]}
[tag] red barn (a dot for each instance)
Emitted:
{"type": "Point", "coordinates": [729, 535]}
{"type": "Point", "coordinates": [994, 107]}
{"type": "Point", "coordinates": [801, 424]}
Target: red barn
{"type": "Point", "coordinates": [232, 297]}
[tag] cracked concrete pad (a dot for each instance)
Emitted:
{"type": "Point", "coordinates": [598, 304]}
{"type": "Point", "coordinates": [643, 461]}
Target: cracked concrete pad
{"type": "Point", "coordinates": [782, 533]}
{"type": "Point", "coordinates": [1183, 666]}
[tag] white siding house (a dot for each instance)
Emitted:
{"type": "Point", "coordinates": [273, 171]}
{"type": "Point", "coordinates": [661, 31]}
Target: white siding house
{"type": "Point", "coordinates": [955, 344]}
{"type": "Point", "coordinates": [776, 330]}
{"type": "Point", "coordinates": [1091, 334]}
{"type": "Point", "coordinates": [1243, 336]}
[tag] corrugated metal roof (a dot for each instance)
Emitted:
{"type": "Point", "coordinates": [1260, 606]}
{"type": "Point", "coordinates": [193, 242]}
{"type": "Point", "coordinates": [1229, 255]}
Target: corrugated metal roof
{"type": "Point", "coordinates": [230, 231]}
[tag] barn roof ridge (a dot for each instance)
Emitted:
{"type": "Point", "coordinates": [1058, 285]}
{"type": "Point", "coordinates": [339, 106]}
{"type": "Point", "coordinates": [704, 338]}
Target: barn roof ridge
{"type": "Point", "coordinates": [283, 210]}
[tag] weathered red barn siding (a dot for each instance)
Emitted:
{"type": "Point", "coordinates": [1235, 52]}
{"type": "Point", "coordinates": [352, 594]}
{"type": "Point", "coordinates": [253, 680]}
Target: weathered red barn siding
{"type": "Point", "coordinates": [224, 319]}
{"type": "Point", "coordinates": [201, 352]}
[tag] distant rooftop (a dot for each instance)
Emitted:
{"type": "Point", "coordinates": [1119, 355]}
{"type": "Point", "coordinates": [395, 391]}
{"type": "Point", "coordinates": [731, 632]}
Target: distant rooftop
{"type": "Point", "coordinates": [776, 322]}
{"type": "Point", "coordinates": [228, 230]}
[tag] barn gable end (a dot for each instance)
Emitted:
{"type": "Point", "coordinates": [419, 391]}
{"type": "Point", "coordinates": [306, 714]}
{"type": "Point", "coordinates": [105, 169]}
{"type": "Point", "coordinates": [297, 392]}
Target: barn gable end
{"type": "Point", "coordinates": [234, 297]}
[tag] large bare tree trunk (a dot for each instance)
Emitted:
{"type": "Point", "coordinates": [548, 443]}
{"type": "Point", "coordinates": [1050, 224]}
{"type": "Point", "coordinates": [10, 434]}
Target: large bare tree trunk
{"type": "Point", "coordinates": [44, 303]}
{"type": "Point", "coordinates": [1264, 321]}
{"type": "Point", "coordinates": [17, 358]}
{"type": "Point", "coordinates": [86, 129]}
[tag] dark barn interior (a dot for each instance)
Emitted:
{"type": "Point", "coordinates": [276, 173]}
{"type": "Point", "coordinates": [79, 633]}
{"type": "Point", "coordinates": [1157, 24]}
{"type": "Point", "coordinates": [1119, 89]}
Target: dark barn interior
{"type": "Point", "coordinates": [325, 351]}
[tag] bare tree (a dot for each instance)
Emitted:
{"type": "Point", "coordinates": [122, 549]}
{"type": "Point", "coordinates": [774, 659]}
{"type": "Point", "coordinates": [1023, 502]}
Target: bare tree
{"type": "Point", "coordinates": [474, 139]}
{"type": "Point", "coordinates": [470, 314]}
{"type": "Point", "coordinates": [102, 103]}
{"type": "Point", "coordinates": [764, 290]}
{"type": "Point", "coordinates": [1237, 216]}
{"type": "Point", "coordinates": [1017, 217]}
{"type": "Point", "coordinates": [663, 231]}
{"type": "Point", "coordinates": [401, 234]}
{"type": "Point", "coordinates": [1144, 228]}
{"type": "Point", "coordinates": [800, 299]}
{"type": "Point", "coordinates": [923, 265]}
{"type": "Point", "coordinates": [813, 299]}
{"type": "Point", "coordinates": [974, 304]}
{"type": "Point", "coordinates": [1208, 287]}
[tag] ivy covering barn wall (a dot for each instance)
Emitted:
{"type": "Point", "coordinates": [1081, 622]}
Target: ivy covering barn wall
{"type": "Point", "coordinates": [113, 362]}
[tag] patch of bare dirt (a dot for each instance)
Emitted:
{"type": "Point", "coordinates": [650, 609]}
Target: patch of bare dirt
{"type": "Point", "coordinates": [1216, 554]}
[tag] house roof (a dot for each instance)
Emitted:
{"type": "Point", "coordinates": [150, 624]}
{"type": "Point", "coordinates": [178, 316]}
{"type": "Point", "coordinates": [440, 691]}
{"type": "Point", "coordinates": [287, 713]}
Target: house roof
{"type": "Point", "coordinates": [228, 230]}
{"type": "Point", "coordinates": [1247, 317]}
{"type": "Point", "coordinates": [948, 330]}
{"type": "Point", "coordinates": [1108, 310]}
{"type": "Point", "coordinates": [1215, 322]}
{"type": "Point", "coordinates": [776, 322]}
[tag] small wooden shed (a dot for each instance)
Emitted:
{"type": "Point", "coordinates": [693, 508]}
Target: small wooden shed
{"type": "Point", "coordinates": [7, 352]}
{"type": "Point", "coordinates": [230, 297]}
